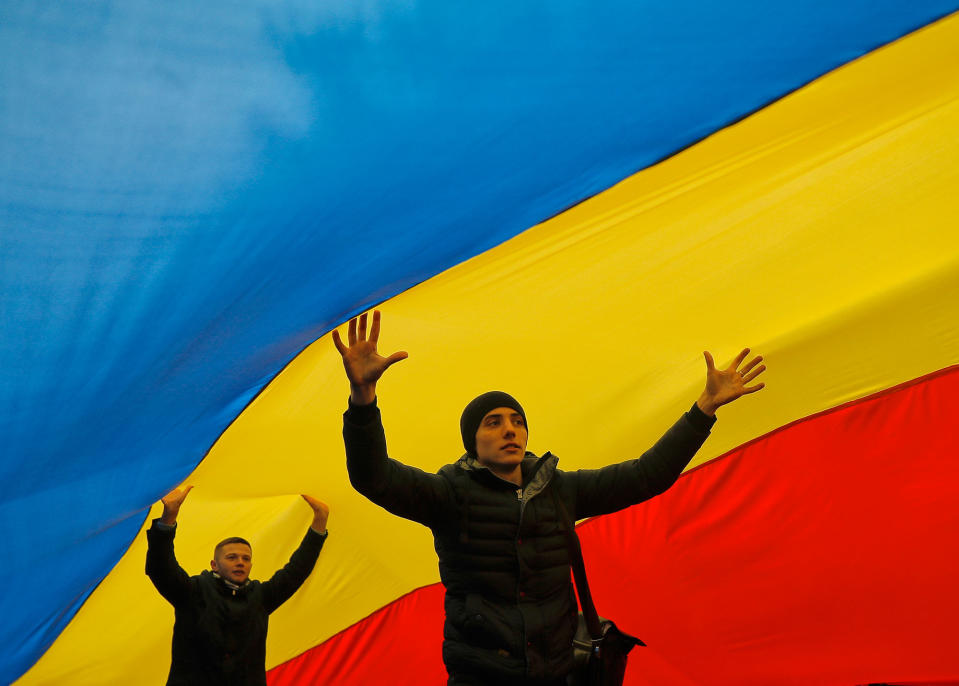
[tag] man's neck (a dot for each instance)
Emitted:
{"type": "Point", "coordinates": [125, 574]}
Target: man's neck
{"type": "Point", "coordinates": [511, 473]}
{"type": "Point", "coordinates": [228, 583]}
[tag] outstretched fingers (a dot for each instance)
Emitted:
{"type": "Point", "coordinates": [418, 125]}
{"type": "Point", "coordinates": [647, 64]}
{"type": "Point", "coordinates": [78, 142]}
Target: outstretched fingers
{"type": "Point", "coordinates": [396, 357]}
{"type": "Point", "coordinates": [756, 371]}
{"type": "Point", "coordinates": [753, 389]}
{"type": "Point", "coordinates": [356, 331]}
{"type": "Point", "coordinates": [361, 336]}
{"type": "Point", "coordinates": [710, 364]}
{"type": "Point", "coordinates": [739, 359]}
{"type": "Point", "coordinates": [338, 342]}
{"type": "Point", "coordinates": [351, 332]}
{"type": "Point", "coordinates": [752, 363]}
{"type": "Point", "coordinates": [363, 363]}
{"type": "Point", "coordinates": [725, 385]}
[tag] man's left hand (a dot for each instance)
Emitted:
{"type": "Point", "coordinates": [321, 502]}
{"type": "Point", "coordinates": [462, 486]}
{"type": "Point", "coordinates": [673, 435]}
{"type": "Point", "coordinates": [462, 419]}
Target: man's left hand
{"type": "Point", "coordinates": [321, 512]}
{"type": "Point", "coordinates": [725, 385]}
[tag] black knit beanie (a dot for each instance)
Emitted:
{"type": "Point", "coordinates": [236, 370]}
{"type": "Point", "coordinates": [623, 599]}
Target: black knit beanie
{"type": "Point", "coordinates": [478, 408]}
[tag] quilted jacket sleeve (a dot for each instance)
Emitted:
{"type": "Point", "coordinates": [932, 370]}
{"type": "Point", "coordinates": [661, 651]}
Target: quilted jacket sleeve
{"type": "Point", "coordinates": [617, 486]}
{"type": "Point", "coordinates": [164, 571]}
{"type": "Point", "coordinates": [287, 580]}
{"type": "Point", "coordinates": [405, 491]}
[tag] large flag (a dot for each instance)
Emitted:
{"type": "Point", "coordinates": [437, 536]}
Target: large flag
{"type": "Point", "coordinates": [566, 201]}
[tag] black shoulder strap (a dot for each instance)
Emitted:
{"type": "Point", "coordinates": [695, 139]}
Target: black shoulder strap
{"type": "Point", "coordinates": [579, 568]}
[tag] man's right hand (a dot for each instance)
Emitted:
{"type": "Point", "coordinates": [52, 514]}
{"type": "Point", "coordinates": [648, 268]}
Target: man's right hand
{"type": "Point", "coordinates": [364, 365]}
{"type": "Point", "coordinates": [171, 504]}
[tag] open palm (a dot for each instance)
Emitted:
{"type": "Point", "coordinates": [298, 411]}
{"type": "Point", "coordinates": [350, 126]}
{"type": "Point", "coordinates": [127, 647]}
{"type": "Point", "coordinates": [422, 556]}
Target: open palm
{"type": "Point", "coordinates": [363, 363]}
{"type": "Point", "coordinates": [725, 385]}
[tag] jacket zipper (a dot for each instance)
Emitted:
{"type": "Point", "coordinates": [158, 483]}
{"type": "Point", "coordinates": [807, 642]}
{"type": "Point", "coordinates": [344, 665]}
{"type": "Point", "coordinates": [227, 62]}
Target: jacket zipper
{"type": "Point", "coordinates": [522, 510]}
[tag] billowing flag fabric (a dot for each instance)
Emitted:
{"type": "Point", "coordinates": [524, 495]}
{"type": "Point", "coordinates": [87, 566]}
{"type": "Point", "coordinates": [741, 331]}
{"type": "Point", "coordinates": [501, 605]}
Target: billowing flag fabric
{"type": "Point", "coordinates": [566, 201]}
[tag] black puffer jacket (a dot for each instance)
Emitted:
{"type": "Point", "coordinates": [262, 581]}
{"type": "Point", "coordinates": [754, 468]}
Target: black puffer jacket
{"type": "Point", "coordinates": [510, 609]}
{"type": "Point", "coordinates": [219, 636]}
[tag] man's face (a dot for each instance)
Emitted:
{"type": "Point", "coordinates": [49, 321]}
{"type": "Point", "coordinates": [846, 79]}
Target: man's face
{"type": "Point", "coordinates": [233, 562]}
{"type": "Point", "coordinates": [501, 439]}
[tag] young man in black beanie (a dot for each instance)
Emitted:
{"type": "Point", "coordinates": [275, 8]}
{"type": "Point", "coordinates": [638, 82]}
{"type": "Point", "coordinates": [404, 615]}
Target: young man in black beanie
{"type": "Point", "coordinates": [510, 609]}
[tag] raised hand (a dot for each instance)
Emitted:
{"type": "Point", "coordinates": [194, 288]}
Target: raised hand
{"type": "Point", "coordinates": [171, 504]}
{"type": "Point", "coordinates": [321, 513]}
{"type": "Point", "coordinates": [725, 385]}
{"type": "Point", "coordinates": [364, 365]}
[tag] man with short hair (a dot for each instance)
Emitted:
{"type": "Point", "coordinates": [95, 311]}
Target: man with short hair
{"type": "Point", "coordinates": [510, 609]}
{"type": "Point", "coordinates": [219, 635]}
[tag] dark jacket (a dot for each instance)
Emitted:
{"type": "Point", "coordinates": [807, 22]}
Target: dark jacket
{"type": "Point", "coordinates": [219, 636]}
{"type": "Point", "coordinates": [510, 609]}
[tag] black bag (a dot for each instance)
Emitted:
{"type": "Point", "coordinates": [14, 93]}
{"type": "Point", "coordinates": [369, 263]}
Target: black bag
{"type": "Point", "coordinates": [606, 665]}
{"type": "Point", "coordinates": [599, 648]}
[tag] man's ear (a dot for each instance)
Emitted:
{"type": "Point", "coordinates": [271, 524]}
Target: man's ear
{"type": "Point", "coordinates": [213, 565]}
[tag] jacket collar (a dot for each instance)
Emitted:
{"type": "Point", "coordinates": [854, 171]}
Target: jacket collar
{"type": "Point", "coordinates": [537, 471]}
{"type": "Point", "coordinates": [226, 586]}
